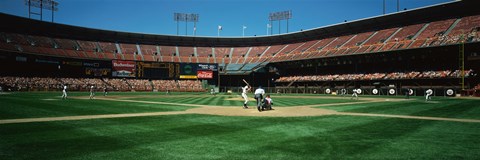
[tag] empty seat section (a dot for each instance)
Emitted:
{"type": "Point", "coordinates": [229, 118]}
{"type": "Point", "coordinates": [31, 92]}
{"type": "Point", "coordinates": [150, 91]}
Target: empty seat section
{"type": "Point", "coordinates": [107, 47]}
{"type": "Point", "coordinates": [433, 31]}
{"type": "Point", "coordinates": [109, 55]}
{"type": "Point", "coordinates": [168, 51]}
{"type": "Point", "coordinates": [407, 33]}
{"type": "Point", "coordinates": [128, 48]}
{"type": "Point", "coordinates": [17, 39]}
{"type": "Point", "coordinates": [87, 46]}
{"type": "Point", "coordinates": [333, 47]}
{"type": "Point", "coordinates": [388, 46]}
{"type": "Point", "coordinates": [467, 27]}
{"type": "Point", "coordinates": [204, 52]}
{"type": "Point", "coordinates": [238, 54]}
{"type": "Point", "coordinates": [7, 46]}
{"type": "Point", "coordinates": [320, 45]}
{"type": "Point", "coordinates": [274, 50]}
{"type": "Point", "coordinates": [301, 52]}
{"type": "Point", "coordinates": [357, 40]}
{"type": "Point", "coordinates": [194, 59]}
{"type": "Point", "coordinates": [306, 46]}
{"type": "Point", "coordinates": [290, 49]}
{"type": "Point", "coordinates": [70, 53]}
{"type": "Point", "coordinates": [185, 51]}
{"type": "Point", "coordinates": [148, 57]}
{"type": "Point", "coordinates": [41, 41]}
{"type": "Point", "coordinates": [257, 51]}
{"type": "Point", "coordinates": [91, 54]}
{"type": "Point", "coordinates": [352, 50]}
{"type": "Point", "coordinates": [185, 59]}
{"type": "Point", "coordinates": [129, 57]}
{"type": "Point", "coordinates": [65, 44]}
{"type": "Point", "coordinates": [32, 49]}
{"type": "Point", "coordinates": [138, 57]}
{"type": "Point", "coordinates": [148, 49]}
{"type": "Point", "coordinates": [203, 60]}
{"type": "Point", "coordinates": [149, 52]}
{"type": "Point", "coordinates": [381, 36]}
{"type": "Point", "coordinates": [221, 52]}
{"type": "Point", "coordinates": [167, 58]}
{"type": "Point", "coordinates": [220, 60]}
{"type": "Point", "coordinates": [403, 38]}
{"type": "Point", "coordinates": [176, 59]}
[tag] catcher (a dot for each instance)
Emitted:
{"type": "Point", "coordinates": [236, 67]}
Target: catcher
{"type": "Point", "coordinates": [267, 103]}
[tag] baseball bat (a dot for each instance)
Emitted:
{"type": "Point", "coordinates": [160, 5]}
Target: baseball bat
{"type": "Point", "coordinates": [246, 82]}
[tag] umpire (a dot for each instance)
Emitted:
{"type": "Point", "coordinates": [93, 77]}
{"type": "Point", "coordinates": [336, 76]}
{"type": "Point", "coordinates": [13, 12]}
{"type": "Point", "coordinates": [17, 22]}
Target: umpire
{"type": "Point", "coordinates": [259, 92]}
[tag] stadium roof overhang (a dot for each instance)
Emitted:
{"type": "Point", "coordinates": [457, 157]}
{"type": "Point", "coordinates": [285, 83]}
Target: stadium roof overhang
{"type": "Point", "coordinates": [436, 12]}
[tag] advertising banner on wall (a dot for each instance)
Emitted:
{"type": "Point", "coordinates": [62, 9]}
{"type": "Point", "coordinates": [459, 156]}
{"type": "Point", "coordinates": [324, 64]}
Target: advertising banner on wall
{"type": "Point", "coordinates": [205, 74]}
{"type": "Point", "coordinates": [207, 67]}
{"type": "Point", "coordinates": [123, 68]}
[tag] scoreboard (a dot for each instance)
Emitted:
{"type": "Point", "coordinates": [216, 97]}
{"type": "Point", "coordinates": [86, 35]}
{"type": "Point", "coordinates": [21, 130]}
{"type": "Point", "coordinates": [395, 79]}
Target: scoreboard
{"type": "Point", "coordinates": [156, 70]}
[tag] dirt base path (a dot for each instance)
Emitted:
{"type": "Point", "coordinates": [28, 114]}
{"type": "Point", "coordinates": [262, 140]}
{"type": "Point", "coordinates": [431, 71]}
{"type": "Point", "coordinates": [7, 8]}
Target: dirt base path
{"type": "Point", "coordinates": [294, 111]}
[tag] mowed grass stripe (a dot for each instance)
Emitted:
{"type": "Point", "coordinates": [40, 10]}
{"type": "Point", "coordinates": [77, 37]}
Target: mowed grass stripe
{"type": "Point", "coordinates": [441, 107]}
{"type": "Point", "coordinates": [220, 137]}
{"type": "Point", "coordinates": [25, 105]}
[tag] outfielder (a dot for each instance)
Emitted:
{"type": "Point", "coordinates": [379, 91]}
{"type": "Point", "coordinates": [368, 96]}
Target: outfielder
{"type": "Point", "coordinates": [105, 91]}
{"type": "Point", "coordinates": [244, 96]}
{"type": "Point", "coordinates": [343, 92]}
{"type": "Point", "coordinates": [355, 94]}
{"type": "Point", "coordinates": [259, 92]}
{"type": "Point", "coordinates": [212, 92]}
{"type": "Point", "coordinates": [64, 92]}
{"type": "Point", "coordinates": [428, 94]}
{"type": "Point", "coordinates": [92, 92]}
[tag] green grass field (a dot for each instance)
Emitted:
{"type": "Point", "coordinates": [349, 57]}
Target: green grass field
{"type": "Point", "coordinates": [205, 136]}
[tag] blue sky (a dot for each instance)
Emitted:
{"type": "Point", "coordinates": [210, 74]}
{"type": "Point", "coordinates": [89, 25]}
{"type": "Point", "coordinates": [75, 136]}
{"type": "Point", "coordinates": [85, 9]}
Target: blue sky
{"type": "Point", "coordinates": [156, 16]}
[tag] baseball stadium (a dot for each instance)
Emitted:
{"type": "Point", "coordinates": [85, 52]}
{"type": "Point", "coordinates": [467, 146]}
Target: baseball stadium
{"type": "Point", "coordinates": [399, 85]}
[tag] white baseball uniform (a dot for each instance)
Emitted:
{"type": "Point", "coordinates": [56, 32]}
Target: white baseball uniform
{"type": "Point", "coordinates": [64, 92]}
{"type": "Point", "coordinates": [428, 94]}
{"type": "Point", "coordinates": [92, 92]}
{"type": "Point", "coordinates": [355, 94]}
{"type": "Point", "coordinates": [244, 94]}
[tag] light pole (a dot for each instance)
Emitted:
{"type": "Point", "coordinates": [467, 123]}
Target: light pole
{"type": "Point", "coordinates": [186, 17]}
{"type": "Point", "coordinates": [268, 27]}
{"type": "Point", "coordinates": [243, 30]}
{"type": "Point", "coordinates": [42, 4]}
{"type": "Point", "coordinates": [279, 16]}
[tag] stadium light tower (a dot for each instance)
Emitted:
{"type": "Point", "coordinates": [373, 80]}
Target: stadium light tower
{"type": "Point", "coordinates": [384, 7]}
{"type": "Point", "coordinates": [42, 4]}
{"type": "Point", "coordinates": [186, 17]}
{"type": "Point", "coordinates": [279, 16]}
{"type": "Point", "coordinates": [243, 30]}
